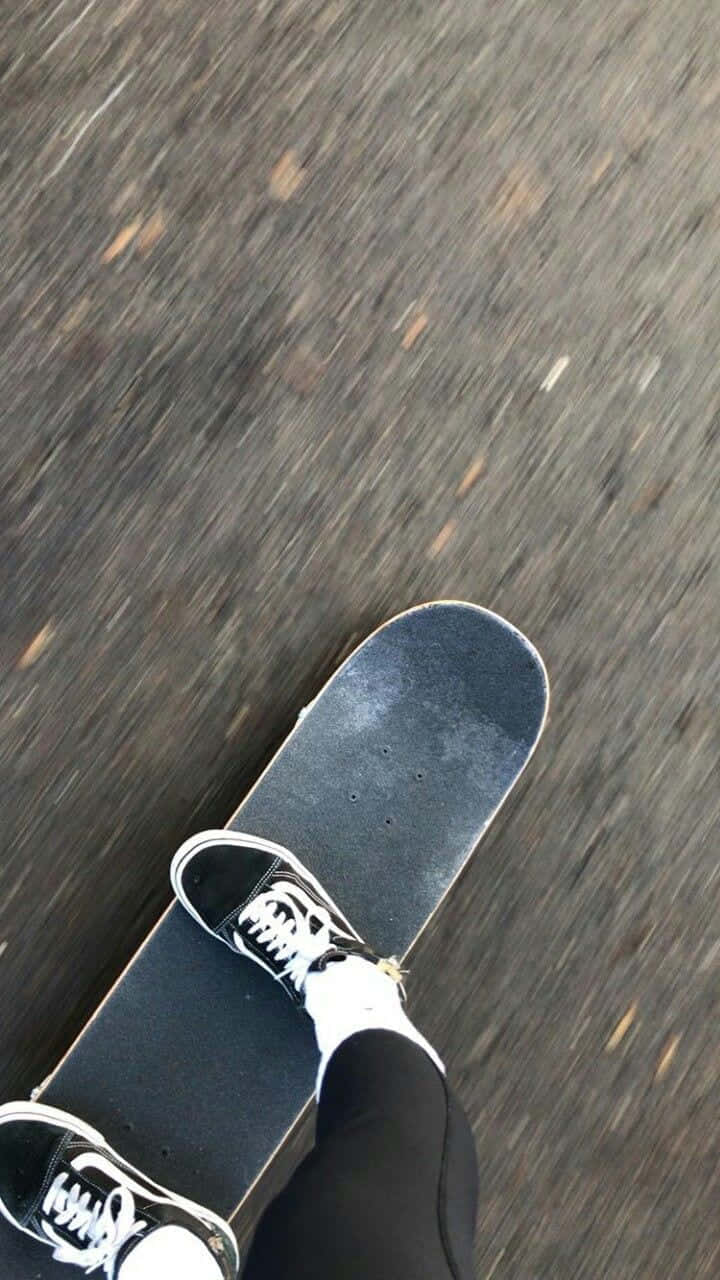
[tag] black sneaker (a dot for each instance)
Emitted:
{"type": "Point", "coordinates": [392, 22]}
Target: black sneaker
{"type": "Point", "coordinates": [63, 1185]}
{"type": "Point", "coordinates": [259, 900]}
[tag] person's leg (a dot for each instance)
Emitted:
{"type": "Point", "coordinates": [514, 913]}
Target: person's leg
{"type": "Point", "coordinates": [357, 996]}
{"type": "Point", "coordinates": [61, 1184]}
{"type": "Point", "coordinates": [390, 1190]}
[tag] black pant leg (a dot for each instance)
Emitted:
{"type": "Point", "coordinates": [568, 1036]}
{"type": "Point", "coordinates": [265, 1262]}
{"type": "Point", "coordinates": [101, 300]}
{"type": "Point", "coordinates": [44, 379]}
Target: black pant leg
{"type": "Point", "coordinates": [390, 1190]}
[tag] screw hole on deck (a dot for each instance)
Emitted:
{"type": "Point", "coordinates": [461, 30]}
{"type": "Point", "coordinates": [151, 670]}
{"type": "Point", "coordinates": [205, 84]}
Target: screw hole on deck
{"type": "Point", "coordinates": [388, 822]}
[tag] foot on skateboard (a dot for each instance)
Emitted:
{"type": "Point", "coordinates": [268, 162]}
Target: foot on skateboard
{"type": "Point", "coordinates": [383, 789]}
{"type": "Point", "coordinates": [258, 898]}
{"type": "Point", "coordinates": [63, 1185]}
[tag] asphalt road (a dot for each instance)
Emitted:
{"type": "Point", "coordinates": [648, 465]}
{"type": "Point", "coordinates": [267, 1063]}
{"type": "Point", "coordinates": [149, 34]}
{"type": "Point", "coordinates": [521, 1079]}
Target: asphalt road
{"type": "Point", "coordinates": [311, 311]}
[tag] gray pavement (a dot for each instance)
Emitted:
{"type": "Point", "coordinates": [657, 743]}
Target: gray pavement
{"type": "Point", "coordinates": [311, 311]}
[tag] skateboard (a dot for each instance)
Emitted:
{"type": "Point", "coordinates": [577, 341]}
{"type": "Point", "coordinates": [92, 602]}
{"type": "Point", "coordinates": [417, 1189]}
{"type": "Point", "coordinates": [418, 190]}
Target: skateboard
{"type": "Point", "coordinates": [196, 1065]}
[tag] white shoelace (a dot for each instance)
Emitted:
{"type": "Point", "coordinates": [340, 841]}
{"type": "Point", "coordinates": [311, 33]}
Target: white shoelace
{"type": "Point", "coordinates": [291, 927]}
{"type": "Point", "coordinates": [102, 1228]}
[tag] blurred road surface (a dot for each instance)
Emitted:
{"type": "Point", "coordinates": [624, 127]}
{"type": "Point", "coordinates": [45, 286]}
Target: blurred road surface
{"type": "Point", "coordinates": [312, 310]}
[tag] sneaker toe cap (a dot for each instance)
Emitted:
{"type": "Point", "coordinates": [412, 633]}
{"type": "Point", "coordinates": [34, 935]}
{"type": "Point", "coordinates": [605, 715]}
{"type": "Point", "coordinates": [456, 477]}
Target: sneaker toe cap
{"type": "Point", "coordinates": [27, 1148]}
{"type": "Point", "coordinates": [220, 878]}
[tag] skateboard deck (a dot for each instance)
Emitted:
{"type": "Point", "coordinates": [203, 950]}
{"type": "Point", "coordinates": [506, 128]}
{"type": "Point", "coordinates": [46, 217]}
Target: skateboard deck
{"type": "Point", "coordinates": [197, 1065]}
